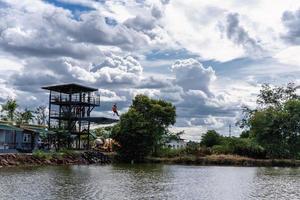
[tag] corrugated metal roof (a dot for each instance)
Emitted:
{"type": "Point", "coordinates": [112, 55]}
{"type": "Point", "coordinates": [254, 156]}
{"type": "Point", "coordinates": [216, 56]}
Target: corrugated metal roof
{"type": "Point", "coordinates": [8, 127]}
{"type": "Point", "coordinates": [36, 129]}
{"type": "Point", "coordinates": [70, 88]}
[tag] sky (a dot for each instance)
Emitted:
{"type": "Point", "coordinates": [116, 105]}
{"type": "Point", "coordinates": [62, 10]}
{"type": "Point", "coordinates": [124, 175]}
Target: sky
{"type": "Point", "coordinates": [209, 58]}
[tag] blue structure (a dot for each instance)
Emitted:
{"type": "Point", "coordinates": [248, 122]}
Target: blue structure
{"type": "Point", "coordinates": [24, 138]}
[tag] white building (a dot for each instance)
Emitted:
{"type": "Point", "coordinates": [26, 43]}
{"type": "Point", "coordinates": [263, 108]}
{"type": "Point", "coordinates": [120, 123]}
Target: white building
{"type": "Point", "coordinates": [176, 144]}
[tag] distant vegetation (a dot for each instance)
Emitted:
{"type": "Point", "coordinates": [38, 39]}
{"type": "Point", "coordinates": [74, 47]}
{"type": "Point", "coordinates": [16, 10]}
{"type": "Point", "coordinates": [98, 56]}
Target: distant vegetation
{"type": "Point", "coordinates": [275, 123]}
{"type": "Point", "coordinates": [12, 112]}
{"type": "Point", "coordinates": [271, 130]}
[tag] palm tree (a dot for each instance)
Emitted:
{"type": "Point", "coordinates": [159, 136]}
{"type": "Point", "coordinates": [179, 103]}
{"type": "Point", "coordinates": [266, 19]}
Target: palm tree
{"type": "Point", "coordinates": [25, 117]}
{"type": "Point", "coordinates": [10, 107]}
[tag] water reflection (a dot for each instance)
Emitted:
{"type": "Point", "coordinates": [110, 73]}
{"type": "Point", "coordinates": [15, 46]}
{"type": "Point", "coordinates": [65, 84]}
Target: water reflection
{"type": "Point", "coordinates": [149, 182]}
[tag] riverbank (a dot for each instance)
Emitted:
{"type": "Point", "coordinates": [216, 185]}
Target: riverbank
{"type": "Point", "coordinates": [94, 157]}
{"type": "Point", "coordinates": [41, 158]}
{"type": "Point", "coordinates": [226, 160]}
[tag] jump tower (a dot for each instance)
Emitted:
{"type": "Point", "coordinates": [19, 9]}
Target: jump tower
{"type": "Point", "coordinates": [70, 107]}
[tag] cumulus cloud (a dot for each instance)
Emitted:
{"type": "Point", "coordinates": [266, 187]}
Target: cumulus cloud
{"type": "Point", "coordinates": [110, 96]}
{"type": "Point", "coordinates": [155, 82]}
{"type": "Point", "coordinates": [191, 75]}
{"type": "Point", "coordinates": [203, 102]}
{"type": "Point", "coordinates": [6, 91]}
{"type": "Point", "coordinates": [43, 30]}
{"type": "Point", "coordinates": [103, 46]}
{"type": "Point", "coordinates": [141, 23]}
{"type": "Point", "coordinates": [114, 71]}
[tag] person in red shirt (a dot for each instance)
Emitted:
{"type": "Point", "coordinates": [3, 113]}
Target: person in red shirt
{"type": "Point", "coordinates": [115, 109]}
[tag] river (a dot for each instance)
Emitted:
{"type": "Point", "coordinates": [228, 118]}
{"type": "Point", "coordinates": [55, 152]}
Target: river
{"type": "Point", "coordinates": [147, 181]}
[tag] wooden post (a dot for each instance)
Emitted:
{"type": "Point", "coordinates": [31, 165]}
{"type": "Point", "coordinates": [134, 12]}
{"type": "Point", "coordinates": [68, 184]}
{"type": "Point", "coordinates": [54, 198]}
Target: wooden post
{"type": "Point", "coordinates": [59, 114]}
{"type": "Point", "coordinates": [88, 115]}
{"type": "Point", "coordinates": [49, 117]}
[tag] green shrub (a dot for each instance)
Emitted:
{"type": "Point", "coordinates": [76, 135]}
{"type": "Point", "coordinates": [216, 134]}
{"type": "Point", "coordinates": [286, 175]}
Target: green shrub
{"type": "Point", "coordinates": [239, 146]}
{"type": "Point", "coordinates": [42, 155]}
{"type": "Point", "coordinates": [204, 151]}
{"type": "Point", "coordinates": [211, 138]}
{"type": "Point", "coordinates": [65, 151]}
{"type": "Point", "coordinates": [250, 149]}
{"type": "Point", "coordinates": [192, 148]}
{"type": "Point", "coordinates": [221, 149]}
{"type": "Point", "coordinates": [170, 153]}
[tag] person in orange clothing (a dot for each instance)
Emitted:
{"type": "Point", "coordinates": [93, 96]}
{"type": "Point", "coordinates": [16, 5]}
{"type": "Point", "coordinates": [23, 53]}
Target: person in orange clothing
{"type": "Point", "coordinates": [115, 110]}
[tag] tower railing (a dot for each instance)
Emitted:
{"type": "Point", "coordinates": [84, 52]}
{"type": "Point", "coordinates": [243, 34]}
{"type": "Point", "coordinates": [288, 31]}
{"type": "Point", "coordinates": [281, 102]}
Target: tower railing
{"type": "Point", "coordinates": [94, 99]}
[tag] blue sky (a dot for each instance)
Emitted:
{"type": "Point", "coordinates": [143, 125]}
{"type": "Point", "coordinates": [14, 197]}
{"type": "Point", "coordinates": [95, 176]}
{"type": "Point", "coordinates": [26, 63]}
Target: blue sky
{"type": "Point", "coordinates": [208, 57]}
{"type": "Point", "coordinates": [69, 5]}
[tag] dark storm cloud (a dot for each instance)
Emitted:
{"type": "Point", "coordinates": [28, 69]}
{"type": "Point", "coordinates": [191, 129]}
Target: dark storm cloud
{"type": "Point", "coordinates": [291, 20]}
{"type": "Point", "coordinates": [237, 34]}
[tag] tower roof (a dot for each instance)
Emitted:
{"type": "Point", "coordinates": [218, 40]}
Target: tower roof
{"type": "Point", "coordinates": [70, 88]}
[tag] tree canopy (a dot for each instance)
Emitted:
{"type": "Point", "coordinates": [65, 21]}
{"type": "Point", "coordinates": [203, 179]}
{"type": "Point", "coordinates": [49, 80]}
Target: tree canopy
{"type": "Point", "coordinates": [142, 127]}
{"type": "Point", "coordinates": [10, 107]}
{"type": "Point", "coordinates": [210, 138]}
{"type": "Point", "coordinates": [275, 122]}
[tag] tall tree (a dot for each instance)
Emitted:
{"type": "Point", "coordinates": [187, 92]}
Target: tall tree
{"type": "Point", "coordinates": [142, 127]}
{"type": "Point", "coordinates": [275, 122]}
{"type": "Point", "coordinates": [276, 96]}
{"type": "Point", "coordinates": [10, 107]}
{"type": "Point", "coordinates": [41, 115]}
{"type": "Point", "coordinates": [269, 96]}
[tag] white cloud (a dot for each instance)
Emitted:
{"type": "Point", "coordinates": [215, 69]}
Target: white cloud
{"type": "Point", "coordinates": [10, 64]}
{"type": "Point", "coordinates": [194, 24]}
{"type": "Point", "coordinates": [289, 56]}
{"type": "Point", "coordinates": [110, 96]}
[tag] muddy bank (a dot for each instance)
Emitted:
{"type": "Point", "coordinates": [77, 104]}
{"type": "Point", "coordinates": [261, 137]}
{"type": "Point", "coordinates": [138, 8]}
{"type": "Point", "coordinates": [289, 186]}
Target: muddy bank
{"type": "Point", "coordinates": [76, 158]}
{"type": "Point", "coordinates": [95, 157]}
{"type": "Point", "coordinates": [226, 160]}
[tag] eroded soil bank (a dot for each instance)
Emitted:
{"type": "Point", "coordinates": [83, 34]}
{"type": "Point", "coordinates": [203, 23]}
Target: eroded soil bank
{"type": "Point", "coordinates": [74, 158]}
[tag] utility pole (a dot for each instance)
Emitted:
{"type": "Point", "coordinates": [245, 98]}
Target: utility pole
{"type": "Point", "coordinates": [229, 130]}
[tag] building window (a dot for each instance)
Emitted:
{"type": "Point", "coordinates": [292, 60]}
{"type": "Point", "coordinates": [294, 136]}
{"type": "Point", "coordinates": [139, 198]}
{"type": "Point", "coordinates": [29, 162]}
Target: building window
{"type": "Point", "coordinates": [26, 138]}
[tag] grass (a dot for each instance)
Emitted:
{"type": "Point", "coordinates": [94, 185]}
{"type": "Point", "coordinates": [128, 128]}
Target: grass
{"type": "Point", "coordinates": [52, 154]}
{"type": "Point", "coordinates": [225, 160]}
{"type": "Point", "coordinates": [42, 155]}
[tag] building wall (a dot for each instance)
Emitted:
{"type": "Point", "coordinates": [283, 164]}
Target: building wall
{"type": "Point", "coordinates": [174, 144]}
{"type": "Point", "coordinates": [7, 141]}
{"type": "Point", "coordinates": [24, 141]}
{"type": "Point", "coordinates": [11, 141]}
{"type": "Point", "coordinates": [2, 139]}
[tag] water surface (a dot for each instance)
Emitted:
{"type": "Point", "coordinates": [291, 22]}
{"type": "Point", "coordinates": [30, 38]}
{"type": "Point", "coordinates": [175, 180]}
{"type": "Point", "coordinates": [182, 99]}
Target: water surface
{"type": "Point", "coordinates": [149, 182]}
